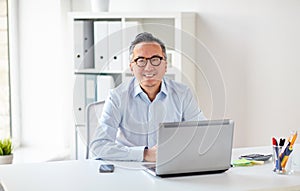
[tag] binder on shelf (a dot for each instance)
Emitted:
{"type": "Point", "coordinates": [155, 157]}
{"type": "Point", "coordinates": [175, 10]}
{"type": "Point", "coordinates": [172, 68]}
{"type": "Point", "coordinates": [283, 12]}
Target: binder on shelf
{"type": "Point", "coordinates": [101, 45]}
{"type": "Point", "coordinates": [83, 41]}
{"type": "Point", "coordinates": [108, 45]}
{"type": "Point", "coordinates": [115, 45]}
{"type": "Point", "coordinates": [90, 89]}
{"type": "Point", "coordinates": [84, 93]}
{"type": "Point", "coordinates": [104, 85]}
{"type": "Point", "coordinates": [79, 99]}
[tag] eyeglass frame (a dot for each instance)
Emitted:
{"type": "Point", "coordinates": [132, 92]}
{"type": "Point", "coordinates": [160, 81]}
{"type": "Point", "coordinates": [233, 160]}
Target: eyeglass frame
{"type": "Point", "coordinates": [155, 56]}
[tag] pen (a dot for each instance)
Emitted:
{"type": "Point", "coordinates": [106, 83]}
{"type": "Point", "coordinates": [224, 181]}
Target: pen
{"type": "Point", "coordinates": [281, 142]}
{"type": "Point", "coordinates": [274, 142]}
{"type": "Point", "coordinates": [276, 157]}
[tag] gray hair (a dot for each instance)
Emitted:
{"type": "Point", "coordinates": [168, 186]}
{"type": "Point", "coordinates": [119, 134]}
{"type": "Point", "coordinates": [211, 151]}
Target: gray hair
{"type": "Point", "coordinates": [146, 37]}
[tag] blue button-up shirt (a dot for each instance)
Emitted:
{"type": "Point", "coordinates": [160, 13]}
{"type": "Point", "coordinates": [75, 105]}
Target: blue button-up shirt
{"type": "Point", "coordinates": [130, 121]}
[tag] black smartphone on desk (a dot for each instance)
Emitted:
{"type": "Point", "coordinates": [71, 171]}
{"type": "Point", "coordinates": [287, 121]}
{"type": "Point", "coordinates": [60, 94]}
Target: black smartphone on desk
{"type": "Point", "coordinates": [259, 157]}
{"type": "Point", "coordinates": [106, 168]}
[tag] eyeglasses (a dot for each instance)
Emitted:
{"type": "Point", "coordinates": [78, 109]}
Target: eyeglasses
{"type": "Point", "coordinates": [142, 62]}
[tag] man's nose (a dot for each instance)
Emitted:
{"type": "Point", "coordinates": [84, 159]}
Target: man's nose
{"type": "Point", "coordinates": [148, 65]}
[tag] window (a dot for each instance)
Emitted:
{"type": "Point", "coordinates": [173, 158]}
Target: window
{"type": "Point", "coordinates": [5, 127]}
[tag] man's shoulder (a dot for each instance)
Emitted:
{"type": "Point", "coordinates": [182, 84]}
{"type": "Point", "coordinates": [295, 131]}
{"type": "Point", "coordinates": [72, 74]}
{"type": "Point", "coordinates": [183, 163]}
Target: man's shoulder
{"type": "Point", "coordinates": [175, 86]}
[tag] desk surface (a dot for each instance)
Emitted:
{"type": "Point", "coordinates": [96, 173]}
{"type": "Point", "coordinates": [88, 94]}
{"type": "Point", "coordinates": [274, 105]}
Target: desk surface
{"type": "Point", "coordinates": [83, 175]}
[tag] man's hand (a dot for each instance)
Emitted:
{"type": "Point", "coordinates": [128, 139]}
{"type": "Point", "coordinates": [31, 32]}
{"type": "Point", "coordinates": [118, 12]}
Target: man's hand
{"type": "Point", "coordinates": [150, 154]}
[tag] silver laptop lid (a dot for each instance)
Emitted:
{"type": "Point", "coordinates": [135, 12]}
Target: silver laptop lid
{"type": "Point", "coordinates": [198, 146]}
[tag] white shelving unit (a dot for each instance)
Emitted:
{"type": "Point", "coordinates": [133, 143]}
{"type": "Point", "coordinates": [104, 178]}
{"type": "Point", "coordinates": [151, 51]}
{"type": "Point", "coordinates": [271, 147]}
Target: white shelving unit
{"type": "Point", "coordinates": [100, 44]}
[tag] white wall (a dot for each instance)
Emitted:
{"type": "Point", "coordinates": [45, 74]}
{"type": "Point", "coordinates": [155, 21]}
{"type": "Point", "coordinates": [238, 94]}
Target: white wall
{"type": "Point", "coordinates": [255, 43]}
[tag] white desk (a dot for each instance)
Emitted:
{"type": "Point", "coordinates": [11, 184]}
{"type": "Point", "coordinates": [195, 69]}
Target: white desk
{"type": "Point", "coordinates": [83, 175]}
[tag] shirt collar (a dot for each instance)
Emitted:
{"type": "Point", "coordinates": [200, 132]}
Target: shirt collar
{"type": "Point", "coordinates": [163, 88]}
{"type": "Point", "coordinates": [136, 88]}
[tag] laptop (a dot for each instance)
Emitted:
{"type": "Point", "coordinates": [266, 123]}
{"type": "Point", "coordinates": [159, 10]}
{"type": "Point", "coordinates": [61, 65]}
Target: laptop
{"type": "Point", "coordinates": [192, 148]}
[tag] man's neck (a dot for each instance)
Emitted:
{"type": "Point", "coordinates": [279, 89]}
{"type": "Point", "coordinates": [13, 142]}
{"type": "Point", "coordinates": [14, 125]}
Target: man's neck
{"type": "Point", "coordinates": [151, 91]}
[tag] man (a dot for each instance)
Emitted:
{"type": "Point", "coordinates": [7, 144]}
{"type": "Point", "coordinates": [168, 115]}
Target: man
{"type": "Point", "coordinates": [132, 113]}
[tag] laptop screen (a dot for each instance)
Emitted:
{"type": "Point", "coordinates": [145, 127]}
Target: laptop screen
{"type": "Point", "coordinates": [197, 146]}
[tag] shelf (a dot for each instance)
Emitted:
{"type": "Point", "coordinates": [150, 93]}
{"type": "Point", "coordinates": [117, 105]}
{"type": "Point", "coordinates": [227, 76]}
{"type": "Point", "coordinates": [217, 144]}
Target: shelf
{"type": "Point", "coordinates": [97, 72]}
{"type": "Point", "coordinates": [115, 15]}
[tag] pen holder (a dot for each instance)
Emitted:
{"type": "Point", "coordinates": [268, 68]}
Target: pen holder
{"type": "Point", "coordinates": [281, 167]}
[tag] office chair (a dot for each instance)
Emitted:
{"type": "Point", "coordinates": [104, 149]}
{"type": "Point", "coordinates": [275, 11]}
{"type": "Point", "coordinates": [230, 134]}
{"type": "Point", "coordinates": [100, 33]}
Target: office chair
{"type": "Point", "coordinates": [93, 114]}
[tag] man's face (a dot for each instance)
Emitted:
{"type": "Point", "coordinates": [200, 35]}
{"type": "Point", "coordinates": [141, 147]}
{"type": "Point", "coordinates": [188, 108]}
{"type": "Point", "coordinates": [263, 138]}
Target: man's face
{"type": "Point", "coordinates": [149, 75]}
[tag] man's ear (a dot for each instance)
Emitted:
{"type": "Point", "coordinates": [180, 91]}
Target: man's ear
{"type": "Point", "coordinates": [131, 68]}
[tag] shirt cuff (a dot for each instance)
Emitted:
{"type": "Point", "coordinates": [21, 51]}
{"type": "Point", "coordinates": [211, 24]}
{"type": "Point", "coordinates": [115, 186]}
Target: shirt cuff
{"type": "Point", "coordinates": [137, 153]}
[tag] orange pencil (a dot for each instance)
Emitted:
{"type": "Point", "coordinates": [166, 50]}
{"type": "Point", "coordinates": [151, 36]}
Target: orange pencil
{"type": "Point", "coordinates": [293, 139]}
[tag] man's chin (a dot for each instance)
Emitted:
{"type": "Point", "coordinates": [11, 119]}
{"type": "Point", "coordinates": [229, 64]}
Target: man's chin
{"type": "Point", "coordinates": [150, 83]}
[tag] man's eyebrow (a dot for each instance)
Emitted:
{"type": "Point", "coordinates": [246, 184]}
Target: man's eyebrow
{"type": "Point", "coordinates": [139, 57]}
{"type": "Point", "coordinates": [148, 57]}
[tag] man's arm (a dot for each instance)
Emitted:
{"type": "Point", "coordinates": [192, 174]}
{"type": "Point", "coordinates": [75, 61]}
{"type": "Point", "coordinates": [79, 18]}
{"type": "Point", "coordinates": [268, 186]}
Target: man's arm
{"type": "Point", "coordinates": [104, 145]}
